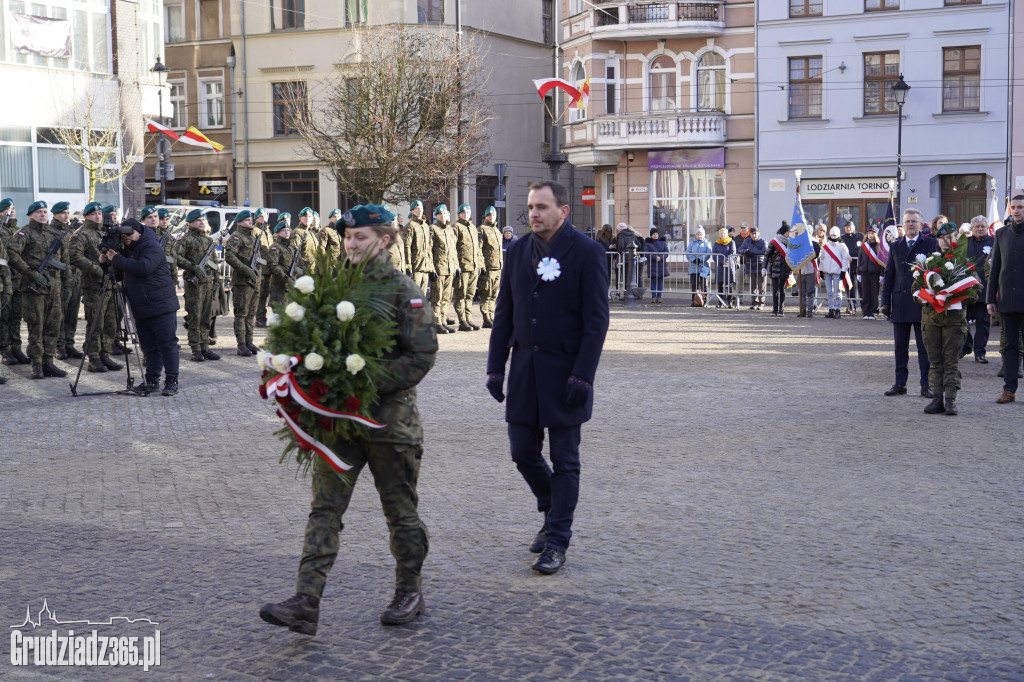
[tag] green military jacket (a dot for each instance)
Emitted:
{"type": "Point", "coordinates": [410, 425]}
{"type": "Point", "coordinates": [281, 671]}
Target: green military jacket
{"type": "Point", "coordinates": [238, 254]}
{"type": "Point", "coordinates": [169, 245]}
{"type": "Point", "coordinates": [310, 244]}
{"type": "Point", "coordinates": [490, 245]}
{"type": "Point", "coordinates": [7, 231]}
{"type": "Point", "coordinates": [950, 318]}
{"type": "Point", "coordinates": [418, 244]}
{"type": "Point", "coordinates": [279, 262]}
{"type": "Point", "coordinates": [444, 245]}
{"type": "Point", "coordinates": [191, 248]}
{"type": "Point", "coordinates": [70, 273]}
{"type": "Point", "coordinates": [28, 248]}
{"type": "Point", "coordinates": [331, 241]}
{"type": "Point", "coordinates": [6, 286]}
{"type": "Point", "coordinates": [468, 246]}
{"type": "Point", "coordinates": [85, 254]}
{"type": "Point", "coordinates": [397, 253]}
{"type": "Point", "coordinates": [266, 236]}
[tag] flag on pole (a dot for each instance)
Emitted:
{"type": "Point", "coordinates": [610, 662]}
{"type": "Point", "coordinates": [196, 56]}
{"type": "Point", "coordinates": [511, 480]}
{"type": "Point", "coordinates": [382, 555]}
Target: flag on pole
{"type": "Point", "coordinates": [545, 85]}
{"type": "Point", "coordinates": [581, 103]}
{"type": "Point", "coordinates": [154, 127]}
{"type": "Point", "coordinates": [994, 223]}
{"type": "Point", "coordinates": [888, 228]}
{"type": "Point", "coordinates": [193, 137]}
{"type": "Point", "coordinates": [801, 250]}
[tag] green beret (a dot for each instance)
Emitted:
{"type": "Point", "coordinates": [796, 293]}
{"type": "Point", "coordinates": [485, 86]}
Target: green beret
{"type": "Point", "coordinates": [147, 211]}
{"type": "Point", "coordinates": [194, 214]}
{"type": "Point", "coordinates": [440, 209]}
{"type": "Point", "coordinates": [367, 215]}
{"type": "Point", "coordinates": [285, 217]}
{"type": "Point", "coordinates": [280, 226]}
{"type": "Point", "coordinates": [490, 210]}
{"type": "Point", "coordinates": [945, 229]}
{"type": "Point", "coordinates": [60, 207]}
{"type": "Point", "coordinates": [242, 215]}
{"type": "Point", "coordinates": [163, 213]}
{"type": "Point", "coordinates": [35, 206]}
{"type": "Point", "coordinates": [5, 204]}
{"type": "Point", "coordinates": [334, 212]}
{"type": "Point", "coordinates": [260, 212]}
{"type": "Point", "coordinates": [306, 211]}
{"type": "Point", "coordinates": [92, 207]}
{"type": "Point", "coordinates": [416, 204]}
{"type": "Point", "coordinates": [463, 207]}
{"type": "Point", "coordinates": [110, 209]}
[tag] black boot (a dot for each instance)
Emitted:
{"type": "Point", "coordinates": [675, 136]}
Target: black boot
{"type": "Point", "coordinates": [109, 363]}
{"type": "Point", "coordinates": [830, 315]}
{"type": "Point", "coordinates": [441, 329]}
{"type": "Point", "coordinates": [20, 357]}
{"type": "Point", "coordinates": [404, 608]}
{"type": "Point", "coordinates": [935, 406]}
{"type": "Point", "coordinates": [8, 358]}
{"type": "Point", "coordinates": [37, 370]}
{"type": "Point", "coordinates": [253, 348]}
{"type": "Point", "coordinates": [951, 407]}
{"type": "Point", "coordinates": [96, 365]}
{"type": "Point", "coordinates": [197, 356]}
{"type": "Point", "coordinates": [51, 370]}
{"type": "Point", "coordinates": [300, 613]}
{"type": "Point", "coordinates": [210, 355]}
{"type": "Point", "coordinates": [170, 385]}
{"type": "Point", "coordinates": [73, 352]}
{"type": "Point", "coordinates": [244, 351]}
{"type": "Point", "coordinates": [62, 354]}
{"type": "Point", "coordinates": [152, 384]}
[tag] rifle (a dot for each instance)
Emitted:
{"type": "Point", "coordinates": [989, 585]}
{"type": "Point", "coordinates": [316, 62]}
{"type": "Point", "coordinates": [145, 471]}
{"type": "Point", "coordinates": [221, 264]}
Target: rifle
{"type": "Point", "coordinates": [48, 261]}
{"type": "Point", "coordinates": [204, 261]}
{"type": "Point", "coordinates": [295, 260]}
{"type": "Point", "coordinates": [256, 263]}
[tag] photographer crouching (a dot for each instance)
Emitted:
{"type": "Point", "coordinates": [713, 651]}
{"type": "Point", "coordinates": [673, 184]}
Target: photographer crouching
{"type": "Point", "coordinates": [142, 265]}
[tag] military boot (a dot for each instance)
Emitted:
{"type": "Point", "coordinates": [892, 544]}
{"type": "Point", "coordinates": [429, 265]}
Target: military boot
{"type": "Point", "coordinates": [109, 362]}
{"type": "Point", "coordinates": [441, 329]}
{"type": "Point", "coordinates": [73, 352]}
{"type": "Point", "coordinates": [197, 356]}
{"type": "Point", "coordinates": [487, 322]}
{"type": "Point", "coordinates": [170, 385]}
{"type": "Point", "coordinates": [118, 348]}
{"type": "Point", "coordinates": [8, 358]}
{"type": "Point", "coordinates": [261, 322]}
{"type": "Point", "coordinates": [469, 321]}
{"type": "Point", "coordinates": [935, 406]}
{"type": "Point", "coordinates": [62, 354]}
{"type": "Point", "coordinates": [209, 354]}
{"type": "Point", "coordinates": [20, 357]}
{"type": "Point", "coordinates": [37, 370]}
{"type": "Point", "coordinates": [96, 365]}
{"type": "Point", "coordinates": [51, 370]}
{"type": "Point", "coordinates": [244, 351]}
{"type": "Point", "coordinates": [300, 613]}
{"type": "Point", "coordinates": [253, 348]}
{"type": "Point", "coordinates": [464, 326]}
{"type": "Point", "coordinates": [404, 608]}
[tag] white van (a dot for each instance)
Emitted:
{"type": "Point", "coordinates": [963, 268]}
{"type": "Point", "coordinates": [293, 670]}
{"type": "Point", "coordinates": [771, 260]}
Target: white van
{"type": "Point", "coordinates": [220, 218]}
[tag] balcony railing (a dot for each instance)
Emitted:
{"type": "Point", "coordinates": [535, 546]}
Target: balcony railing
{"type": "Point", "coordinates": [624, 18]}
{"type": "Point", "coordinates": [645, 14]}
{"type": "Point", "coordinates": [697, 128]}
{"type": "Point", "coordinates": [699, 11]}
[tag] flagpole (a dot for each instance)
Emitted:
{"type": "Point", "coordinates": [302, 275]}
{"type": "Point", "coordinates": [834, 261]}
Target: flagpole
{"type": "Point", "coordinates": [799, 275]}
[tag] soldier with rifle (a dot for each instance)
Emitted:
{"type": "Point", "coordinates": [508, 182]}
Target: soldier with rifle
{"type": "Point", "coordinates": [85, 256]}
{"type": "Point", "coordinates": [10, 318]}
{"type": "Point", "coordinates": [262, 229]}
{"type": "Point", "coordinates": [283, 264]}
{"type": "Point", "coordinates": [196, 255]}
{"type": "Point", "coordinates": [243, 255]}
{"type": "Point", "coordinates": [70, 288]}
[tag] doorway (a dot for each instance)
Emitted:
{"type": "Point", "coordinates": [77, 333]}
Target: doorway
{"type": "Point", "coordinates": [963, 197]}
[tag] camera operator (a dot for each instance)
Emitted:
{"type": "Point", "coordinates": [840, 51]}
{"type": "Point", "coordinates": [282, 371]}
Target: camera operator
{"type": "Point", "coordinates": [154, 303]}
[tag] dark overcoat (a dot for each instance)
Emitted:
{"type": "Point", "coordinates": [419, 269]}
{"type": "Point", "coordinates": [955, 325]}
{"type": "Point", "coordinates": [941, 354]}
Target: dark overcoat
{"type": "Point", "coordinates": [147, 281]}
{"type": "Point", "coordinates": [897, 283]}
{"type": "Point", "coordinates": [1006, 277]}
{"type": "Point", "coordinates": [553, 329]}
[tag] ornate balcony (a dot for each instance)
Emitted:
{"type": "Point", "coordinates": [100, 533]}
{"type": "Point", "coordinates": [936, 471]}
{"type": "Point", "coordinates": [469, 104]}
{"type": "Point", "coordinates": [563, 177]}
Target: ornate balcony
{"type": "Point", "coordinates": [624, 20]}
{"type": "Point", "coordinates": [601, 141]}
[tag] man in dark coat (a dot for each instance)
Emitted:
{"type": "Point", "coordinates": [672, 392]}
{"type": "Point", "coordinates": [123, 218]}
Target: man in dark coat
{"type": "Point", "coordinates": [898, 303]}
{"type": "Point", "coordinates": [153, 299]}
{"type": "Point", "coordinates": [552, 313]}
{"type": "Point", "coordinates": [979, 248]}
{"type": "Point", "coordinates": [1005, 293]}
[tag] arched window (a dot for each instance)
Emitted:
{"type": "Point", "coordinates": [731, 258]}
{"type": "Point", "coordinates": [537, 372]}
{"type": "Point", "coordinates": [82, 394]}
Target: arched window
{"type": "Point", "coordinates": [579, 76]}
{"type": "Point", "coordinates": [661, 84]}
{"type": "Point", "coordinates": [711, 82]}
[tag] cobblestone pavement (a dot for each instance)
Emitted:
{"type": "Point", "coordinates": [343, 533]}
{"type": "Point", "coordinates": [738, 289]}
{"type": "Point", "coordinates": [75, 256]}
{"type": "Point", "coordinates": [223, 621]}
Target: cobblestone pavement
{"type": "Point", "coordinates": [752, 508]}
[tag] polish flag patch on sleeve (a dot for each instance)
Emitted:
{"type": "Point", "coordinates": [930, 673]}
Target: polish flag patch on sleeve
{"type": "Point", "coordinates": [415, 302]}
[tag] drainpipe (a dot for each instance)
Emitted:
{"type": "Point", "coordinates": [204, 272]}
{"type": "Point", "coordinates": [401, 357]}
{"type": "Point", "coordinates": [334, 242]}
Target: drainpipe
{"type": "Point", "coordinates": [245, 107]}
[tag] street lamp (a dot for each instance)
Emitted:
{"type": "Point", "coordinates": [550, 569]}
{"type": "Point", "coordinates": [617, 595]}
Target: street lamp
{"type": "Point", "coordinates": [160, 71]}
{"type": "Point", "coordinates": [899, 91]}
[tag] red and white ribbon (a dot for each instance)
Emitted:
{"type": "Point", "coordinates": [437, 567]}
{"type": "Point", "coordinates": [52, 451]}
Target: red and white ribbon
{"type": "Point", "coordinates": [945, 299]}
{"type": "Point", "coordinates": [285, 385]}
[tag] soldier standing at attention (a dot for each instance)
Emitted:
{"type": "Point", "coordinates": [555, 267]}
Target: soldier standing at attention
{"type": "Point", "coordinates": [279, 263]}
{"type": "Point", "coordinates": [5, 287]}
{"type": "Point", "coordinates": [244, 282]}
{"type": "Point", "coordinates": [70, 288]}
{"type": "Point", "coordinates": [333, 224]}
{"type": "Point", "coordinates": [85, 256]}
{"type": "Point", "coordinates": [199, 285]}
{"type": "Point", "coordinates": [306, 239]}
{"type": "Point", "coordinates": [162, 231]}
{"type": "Point", "coordinates": [393, 452]}
{"type": "Point", "coordinates": [10, 322]}
{"type": "Point", "coordinates": [446, 266]}
{"type": "Point", "coordinates": [943, 334]}
{"type": "Point", "coordinates": [41, 303]}
{"type": "Point", "coordinates": [490, 247]}
{"type": "Point", "coordinates": [467, 241]}
{"type": "Point", "coordinates": [262, 229]}
{"type": "Point", "coordinates": [329, 236]}
{"type": "Point", "coordinates": [396, 250]}
{"type": "Point", "coordinates": [421, 257]}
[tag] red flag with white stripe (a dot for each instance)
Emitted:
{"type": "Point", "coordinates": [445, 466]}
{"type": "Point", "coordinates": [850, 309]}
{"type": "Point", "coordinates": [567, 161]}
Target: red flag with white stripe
{"type": "Point", "coordinates": [154, 127]}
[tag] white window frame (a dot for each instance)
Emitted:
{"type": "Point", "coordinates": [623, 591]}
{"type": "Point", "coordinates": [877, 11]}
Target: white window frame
{"type": "Point", "coordinates": [724, 69]}
{"type": "Point", "coordinates": [649, 71]}
{"type": "Point", "coordinates": [203, 102]}
{"type": "Point", "coordinates": [180, 112]}
{"type": "Point", "coordinates": [577, 115]}
{"type": "Point", "coordinates": [180, 5]}
{"type": "Point", "coordinates": [577, 7]}
{"type": "Point", "coordinates": [608, 199]}
{"type": "Point", "coordinates": [613, 64]}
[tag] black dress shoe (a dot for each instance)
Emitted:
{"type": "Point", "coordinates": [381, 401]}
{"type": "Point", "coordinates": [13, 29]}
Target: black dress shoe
{"type": "Point", "coordinates": [549, 561]}
{"type": "Point", "coordinates": [926, 392]}
{"type": "Point", "coordinates": [951, 407]}
{"type": "Point", "coordinates": [935, 406]}
{"type": "Point", "coordinates": [300, 613]}
{"type": "Point", "coordinates": [897, 389]}
{"type": "Point", "coordinates": [404, 608]}
{"type": "Point", "coordinates": [981, 359]}
{"type": "Point", "coordinates": [540, 539]}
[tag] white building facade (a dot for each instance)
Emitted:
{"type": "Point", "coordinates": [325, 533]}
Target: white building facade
{"type": "Point", "coordinates": [826, 107]}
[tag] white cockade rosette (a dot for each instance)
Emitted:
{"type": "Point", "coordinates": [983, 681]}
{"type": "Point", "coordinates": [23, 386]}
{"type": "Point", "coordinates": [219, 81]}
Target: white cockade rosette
{"type": "Point", "coordinates": [549, 269]}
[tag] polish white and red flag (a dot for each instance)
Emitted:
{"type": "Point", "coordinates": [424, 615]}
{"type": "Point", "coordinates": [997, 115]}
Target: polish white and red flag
{"type": "Point", "coordinates": [545, 85]}
{"type": "Point", "coordinates": [994, 223]}
{"type": "Point", "coordinates": [154, 127]}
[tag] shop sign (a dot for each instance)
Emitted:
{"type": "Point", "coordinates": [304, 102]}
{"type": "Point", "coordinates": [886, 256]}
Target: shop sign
{"type": "Point", "coordinates": [845, 188]}
{"type": "Point", "coordinates": [685, 159]}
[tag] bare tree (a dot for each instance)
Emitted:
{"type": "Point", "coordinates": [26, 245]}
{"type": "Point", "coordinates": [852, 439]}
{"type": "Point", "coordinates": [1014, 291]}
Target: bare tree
{"type": "Point", "coordinates": [89, 130]}
{"type": "Point", "coordinates": [404, 119]}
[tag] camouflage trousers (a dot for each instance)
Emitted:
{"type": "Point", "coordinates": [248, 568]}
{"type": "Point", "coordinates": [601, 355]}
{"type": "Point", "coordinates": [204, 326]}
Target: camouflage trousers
{"type": "Point", "coordinates": [465, 290]}
{"type": "Point", "coordinates": [44, 317]}
{"type": "Point", "coordinates": [395, 468]}
{"type": "Point", "coordinates": [277, 294]}
{"type": "Point", "coordinates": [199, 308]}
{"type": "Point", "coordinates": [264, 298]}
{"type": "Point", "coordinates": [489, 292]}
{"type": "Point", "coordinates": [943, 344]}
{"type": "Point", "coordinates": [10, 324]}
{"type": "Point", "coordinates": [245, 299]}
{"type": "Point", "coordinates": [442, 297]}
{"type": "Point", "coordinates": [422, 280]}
{"type": "Point", "coordinates": [71, 299]}
{"type": "Point", "coordinates": [103, 335]}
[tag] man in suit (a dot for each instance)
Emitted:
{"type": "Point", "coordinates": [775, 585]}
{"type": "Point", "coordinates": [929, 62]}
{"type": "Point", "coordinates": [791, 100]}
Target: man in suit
{"type": "Point", "coordinates": [898, 303]}
{"type": "Point", "coordinates": [552, 313]}
{"type": "Point", "coordinates": [1005, 293]}
{"type": "Point", "coordinates": [979, 247]}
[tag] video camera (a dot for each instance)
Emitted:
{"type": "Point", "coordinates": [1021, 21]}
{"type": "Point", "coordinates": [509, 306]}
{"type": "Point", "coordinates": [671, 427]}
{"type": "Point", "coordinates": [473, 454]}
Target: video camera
{"type": "Point", "coordinates": [112, 232]}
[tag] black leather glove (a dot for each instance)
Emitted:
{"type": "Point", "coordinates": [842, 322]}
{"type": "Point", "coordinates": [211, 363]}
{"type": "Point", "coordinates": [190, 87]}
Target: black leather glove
{"type": "Point", "coordinates": [578, 391]}
{"type": "Point", "coordinates": [887, 310]}
{"type": "Point", "coordinates": [494, 384]}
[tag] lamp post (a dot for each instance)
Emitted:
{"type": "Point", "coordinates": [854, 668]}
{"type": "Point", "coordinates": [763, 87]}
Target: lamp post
{"type": "Point", "coordinates": [160, 71]}
{"type": "Point", "coordinates": [900, 90]}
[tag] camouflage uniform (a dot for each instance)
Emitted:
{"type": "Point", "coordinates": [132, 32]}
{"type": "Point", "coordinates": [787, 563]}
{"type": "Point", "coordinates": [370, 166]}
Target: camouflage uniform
{"type": "Point", "coordinates": [331, 241]}
{"type": "Point", "coordinates": [446, 263]}
{"type": "Point", "coordinates": [266, 237]}
{"type": "Point", "coordinates": [490, 246]}
{"type": "Point", "coordinates": [42, 307]}
{"type": "Point", "coordinates": [5, 283]}
{"type": "Point", "coordinates": [396, 251]}
{"type": "Point", "coordinates": [244, 282]}
{"type": "Point", "coordinates": [278, 264]}
{"type": "Point", "coordinates": [393, 453]}
{"type": "Point", "coordinates": [200, 286]}
{"type": "Point", "coordinates": [71, 297]}
{"type": "Point", "coordinates": [943, 335]}
{"type": "Point", "coordinates": [421, 257]}
{"type": "Point", "coordinates": [467, 241]}
{"type": "Point", "coordinates": [10, 320]}
{"type": "Point", "coordinates": [85, 256]}
{"type": "Point", "coordinates": [309, 242]}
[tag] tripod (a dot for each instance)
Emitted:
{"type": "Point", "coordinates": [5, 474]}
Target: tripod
{"type": "Point", "coordinates": [126, 333]}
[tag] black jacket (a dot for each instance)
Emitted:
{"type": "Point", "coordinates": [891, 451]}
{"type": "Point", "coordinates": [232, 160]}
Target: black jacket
{"type": "Point", "coordinates": [977, 254]}
{"type": "Point", "coordinates": [147, 281]}
{"type": "Point", "coordinates": [1006, 279]}
{"type": "Point", "coordinates": [898, 280]}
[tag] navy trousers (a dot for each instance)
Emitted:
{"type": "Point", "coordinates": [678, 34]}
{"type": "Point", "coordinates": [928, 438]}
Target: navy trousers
{"type": "Point", "coordinates": [901, 335]}
{"type": "Point", "coordinates": [159, 341]}
{"type": "Point", "coordinates": [556, 487]}
{"type": "Point", "coordinates": [982, 323]}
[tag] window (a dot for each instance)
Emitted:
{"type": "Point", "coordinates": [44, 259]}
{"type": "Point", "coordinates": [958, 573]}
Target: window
{"type": "Point", "coordinates": [211, 103]}
{"type": "Point", "coordinates": [961, 78]}
{"type": "Point", "coordinates": [549, 103]}
{"type": "Point", "coordinates": [430, 11]}
{"type": "Point", "coordinates": [85, 24]}
{"type": "Point", "coordinates": [355, 12]}
{"type": "Point", "coordinates": [179, 117]}
{"type": "Point", "coordinates": [579, 77]}
{"type": "Point", "coordinates": [290, 191]}
{"type": "Point", "coordinates": [16, 174]}
{"type": "Point", "coordinates": [608, 205]}
{"type": "Point", "coordinates": [610, 91]}
{"type": "Point", "coordinates": [881, 71]}
{"type": "Point", "coordinates": [662, 84]}
{"type": "Point", "coordinates": [209, 19]}
{"type": "Point", "coordinates": [880, 5]}
{"type": "Point", "coordinates": [287, 14]}
{"type": "Point", "coordinates": [58, 173]}
{"type": "Point", "coordinates": [711, 82]}
{"type": "Point", "coordinates": [486, 188]}
{"type": "Point", "coordinates": [684, 199]}
{"type": "Point", "coordinates": [805, 8]}
{"type": "Point", "coordinates": [805, 87]}
{"type": "Point", "coordinates": [546, 23]}
{"type": "Point", "coordinates": [289, 103]}
{"type": "Point", "coordinates": [576, 6]}
{"type": "Point", "coordinates": [174, 22]}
